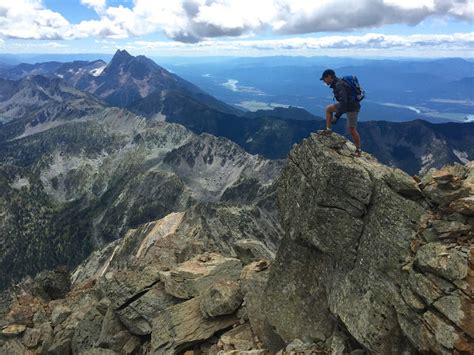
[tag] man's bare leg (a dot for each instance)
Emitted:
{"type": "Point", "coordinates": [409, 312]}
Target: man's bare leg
{"type": "Point", "coordinates": [330, 109]}
{"type": "Point", "coordinates": [355, 136]}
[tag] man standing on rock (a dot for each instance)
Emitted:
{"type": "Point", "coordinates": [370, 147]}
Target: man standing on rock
{"type": "Point", "coordinates": [346, 103]}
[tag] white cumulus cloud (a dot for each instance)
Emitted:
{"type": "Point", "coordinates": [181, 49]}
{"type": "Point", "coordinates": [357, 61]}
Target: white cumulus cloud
{"type": "Point", "coordinates": [196, 20]}
{"type": "Point", "coordinates": [192, 21]}
{"type": "Point", "coordinates": [29, 19]}
{"type": "Point", "coordinates": [97, 5]}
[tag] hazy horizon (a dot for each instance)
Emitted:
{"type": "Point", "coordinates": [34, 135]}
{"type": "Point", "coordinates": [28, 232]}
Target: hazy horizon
{"type": "Point", "coordinates": [32, 58]}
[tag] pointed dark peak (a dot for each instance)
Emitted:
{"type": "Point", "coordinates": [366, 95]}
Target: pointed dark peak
{"type": "Point", "coordinates": [121, 58]}
{"type": "Point", "coordinates": [121, 55]}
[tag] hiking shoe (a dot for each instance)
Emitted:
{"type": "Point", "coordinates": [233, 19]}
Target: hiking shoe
{"type": "Point", "coordinates": [358, 153]}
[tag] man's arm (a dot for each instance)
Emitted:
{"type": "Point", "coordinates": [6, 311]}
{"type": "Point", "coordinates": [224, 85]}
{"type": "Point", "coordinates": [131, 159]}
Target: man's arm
{"type": "Point", "coordinates": [341, 96]}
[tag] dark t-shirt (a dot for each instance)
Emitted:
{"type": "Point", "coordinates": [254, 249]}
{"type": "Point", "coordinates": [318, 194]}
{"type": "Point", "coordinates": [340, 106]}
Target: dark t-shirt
{"type": "Point", "coordinates": [343, 95]}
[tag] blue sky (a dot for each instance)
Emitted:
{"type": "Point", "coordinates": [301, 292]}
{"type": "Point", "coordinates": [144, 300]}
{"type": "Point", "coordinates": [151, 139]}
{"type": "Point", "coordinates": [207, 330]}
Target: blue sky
{"type": "Point", "coordinates": [239, 27]}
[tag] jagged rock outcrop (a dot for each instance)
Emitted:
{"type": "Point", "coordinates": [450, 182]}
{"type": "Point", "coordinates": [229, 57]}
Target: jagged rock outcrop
{"type": "Point", "coordinates": [372, 254]}
{"type": "Point", "coordinates": [373, 261]}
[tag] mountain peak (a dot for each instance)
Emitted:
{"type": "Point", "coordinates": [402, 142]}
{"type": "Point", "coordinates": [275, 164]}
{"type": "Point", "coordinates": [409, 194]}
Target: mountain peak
{"type": "Point", "coordinates": [120, 57]}
{"type": "Point", "coordinates": [122, 54]}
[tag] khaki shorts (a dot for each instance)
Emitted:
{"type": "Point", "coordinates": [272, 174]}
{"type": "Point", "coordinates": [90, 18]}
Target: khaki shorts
{"type": "Point", "coordinates": [352, 119]}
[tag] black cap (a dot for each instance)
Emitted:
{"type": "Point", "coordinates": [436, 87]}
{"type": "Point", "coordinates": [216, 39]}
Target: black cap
{"type": "Point", "coordinates": [328, 72]}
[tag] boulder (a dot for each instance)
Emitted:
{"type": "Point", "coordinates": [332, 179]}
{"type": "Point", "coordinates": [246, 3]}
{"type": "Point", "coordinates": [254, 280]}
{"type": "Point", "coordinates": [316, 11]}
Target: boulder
{"type": "Point", "coordinates": [253, 281]}
{"type": "Point", "coordinates": [32, 337]}
{"type": "Point", "coordinates": [132, 346]}
{"type": "Point", "coordinates": [463, 205]}
{"type": "Point", "coordinates": [53, 284]}
{"type": "Point", "coordinates": [61, 347]}
{"type": "Point", "coordinates": [23, 310]}
{"type": "Point", "coordinates": [113, 334]}
{"type": "Point", "coordinates": [451, 228]}
{"type": "Point", "coordinates": [194, 276]}
{"type": "Point", "coordinates": [13, 347]}
{"type": "Point", "coordinates": [438, 259]}
{"type": "Point", "coordinates": [59, 314]}
{"type": "Point", "coordinates": [457, 307]}
{"type": "Point", "coordinates": [238, 338]}
{"type": "Point", "coordinates": [13, 330]}
{"type": "Point", "coordinates": [181, 325]}
{"type": "Point", "coordinates": [122, 286]}
{"type": "Point", "coordinates": [224, 297]}
{"type": "Point", "coordinates": [450, 188]}
{"type": "Point", "coordinates": [249, 250]}
{"type": "Point", "coordinates": [87, 332]}
{"type": "Point", "coordinates": [137, 315]}
{"type": "Point", "coordinates": [442, 197]}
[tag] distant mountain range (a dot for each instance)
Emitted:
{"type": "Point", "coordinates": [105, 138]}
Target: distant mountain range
{"type": "Point", "coordinates": [147, 89]}
{"type": "Point", "coordinates": [121, 82]}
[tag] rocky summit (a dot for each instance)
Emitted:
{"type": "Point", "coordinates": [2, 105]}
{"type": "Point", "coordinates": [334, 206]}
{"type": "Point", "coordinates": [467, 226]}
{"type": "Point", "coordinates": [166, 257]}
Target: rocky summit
{"type": "Point", "coordinates": [365, 260]}
{"type": "Point", "coordinates": [372, 258]}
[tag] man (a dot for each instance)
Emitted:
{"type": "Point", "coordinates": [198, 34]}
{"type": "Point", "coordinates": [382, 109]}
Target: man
{"type": "Point", "coordinates": [346, 103]}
